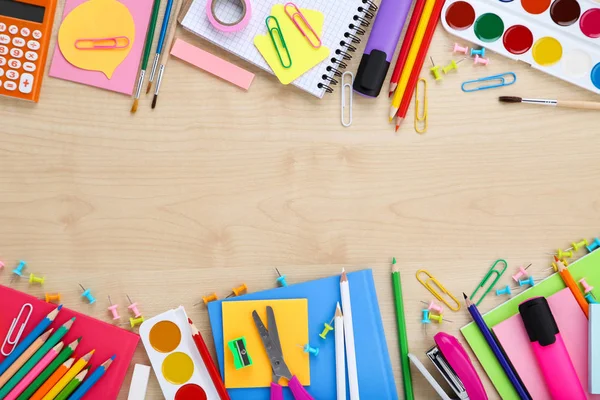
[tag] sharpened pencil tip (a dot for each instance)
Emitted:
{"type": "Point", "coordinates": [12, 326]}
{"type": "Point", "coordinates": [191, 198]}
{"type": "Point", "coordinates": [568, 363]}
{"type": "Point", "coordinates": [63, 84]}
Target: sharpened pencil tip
{"type": "Point", "coordinates": [113, 357]}
{"type": "Point", "coordinates": [134, 106]}
{"type": "Point", "coordinates": [464, 295]}
{"type": "Point", "coordinates": [59, 307]}
{"type": "Point", "coordinates": [393, 260]}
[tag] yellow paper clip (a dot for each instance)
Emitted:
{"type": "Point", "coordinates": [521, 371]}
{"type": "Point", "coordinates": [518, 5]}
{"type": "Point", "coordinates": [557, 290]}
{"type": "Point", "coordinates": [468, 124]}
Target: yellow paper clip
{"type": "Point", "coordinates": [430, 279]}
{"type": "Point", "coordinates": [492, 271]}
{"type": "Point", "coordinates": [421, 117]}
{"type": "Point", "coordinates": [111, 43]}
{"type": "Point", "coordinates": [297, 17]}
{"type": "Point", "coordinates": [277, 30]}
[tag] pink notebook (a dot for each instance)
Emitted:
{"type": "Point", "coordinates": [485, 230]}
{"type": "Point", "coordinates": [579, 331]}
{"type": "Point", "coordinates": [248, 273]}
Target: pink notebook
{"type": "Point", "coordinates": [105, 338]}
{"type": "Point", "coordinates": [573, 327]}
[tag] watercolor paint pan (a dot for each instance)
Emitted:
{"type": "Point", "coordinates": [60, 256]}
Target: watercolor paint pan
{"type": "Point", "coordinates": [176, 362]}
{"type": "Point", "coordinates": [561, 38]}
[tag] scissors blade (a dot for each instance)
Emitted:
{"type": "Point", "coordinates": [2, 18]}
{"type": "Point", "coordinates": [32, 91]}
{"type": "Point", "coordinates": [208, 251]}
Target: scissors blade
{"type": "Point", "coordinates": [273, 332]}
{"type": "Point", "coordinates": [272, 347]}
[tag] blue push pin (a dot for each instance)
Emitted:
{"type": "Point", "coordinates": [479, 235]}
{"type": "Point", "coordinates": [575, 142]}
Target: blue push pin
{"type": "Point", "coordinates": [594, 245]}
{"type": "Point", "coordinates": [529, 281]}
{"type": "Point", "coordinates": [590, 298]}
{"type": "Point", "coordinates": [478, 52]}
{"type": "Point", "coordinates": [87, 294]}
{"type": "Point", "coordinates": [18, 271]}
{"type": "Point", "coordinates": [311, 350]}
{"type": "Point", "coordinates": [425, 319]}
{"type": "Point", "coordinates": [505, 290]}
{"type": "Point", "coordinates": [281, 280]}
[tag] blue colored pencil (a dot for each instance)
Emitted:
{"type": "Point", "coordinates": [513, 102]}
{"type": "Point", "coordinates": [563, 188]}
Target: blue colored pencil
{"type": "Point", "coordinates": [161, 42]}
{"type": "Point", "coordinates": [92, 379]}
{"type": "Point", "coordinates": [29, 339]}
{"type": "Point", "coordinates": [487, 334]}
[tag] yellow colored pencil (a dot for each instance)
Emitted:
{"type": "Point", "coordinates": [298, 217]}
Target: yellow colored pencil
{"type": "Point", "coordinates": [68, 377]}
{"type": "Point", "coordinates": [412, 56]}
{"type": "Point", "coordinates": [53, 379]}
{"type": "Point", "coordinates": [19, 362]}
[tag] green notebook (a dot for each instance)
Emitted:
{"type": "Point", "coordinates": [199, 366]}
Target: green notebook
{"type": "Point", "coordinates": [586, 267]}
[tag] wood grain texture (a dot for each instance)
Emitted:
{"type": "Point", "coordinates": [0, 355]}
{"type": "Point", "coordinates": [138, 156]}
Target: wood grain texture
{"type": "Point", "coordinates": [217, 187]}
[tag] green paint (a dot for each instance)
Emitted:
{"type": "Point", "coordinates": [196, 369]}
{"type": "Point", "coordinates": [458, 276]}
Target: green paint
{"type": "Point", "coordinates": [489, 27]}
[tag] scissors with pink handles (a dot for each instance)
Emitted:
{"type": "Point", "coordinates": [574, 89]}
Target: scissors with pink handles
{"type": "Point", "coordinates": [270, 339]}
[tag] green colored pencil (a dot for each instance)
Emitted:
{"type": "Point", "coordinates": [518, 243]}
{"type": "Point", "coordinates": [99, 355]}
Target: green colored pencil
{"type": "Point", "coordinates": [71, 386]}
{"type": "Point", "coordinates": [402, 337]}
{"type": "Point", "coordinates": [37, 356]}
{"type": "Point", "coordinates": [43, 377]}
{"type": "Point", "coordinates": [147, 48]}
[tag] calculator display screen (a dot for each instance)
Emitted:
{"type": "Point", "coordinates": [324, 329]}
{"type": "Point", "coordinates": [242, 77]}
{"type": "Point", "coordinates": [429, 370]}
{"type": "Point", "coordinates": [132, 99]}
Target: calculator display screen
{"type": "Point", "coordinates": [24, 11]}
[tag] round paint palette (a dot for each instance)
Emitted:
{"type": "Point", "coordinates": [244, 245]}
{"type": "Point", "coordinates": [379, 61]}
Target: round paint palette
{"type": "Point", "coordinates": [560, 37]}
{"type": "Point", "coordinates": [178, 366]}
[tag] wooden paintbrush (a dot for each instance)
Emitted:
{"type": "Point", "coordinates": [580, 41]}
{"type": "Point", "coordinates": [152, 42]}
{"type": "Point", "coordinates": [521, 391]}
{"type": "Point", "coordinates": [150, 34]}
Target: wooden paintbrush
{"type": "Point", "coordinates": [582, 105]}
{"type": "Point", "coordinates": [167, 52]}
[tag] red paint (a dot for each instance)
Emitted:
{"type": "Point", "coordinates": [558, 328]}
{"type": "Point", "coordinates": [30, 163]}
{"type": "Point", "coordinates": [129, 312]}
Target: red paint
{"type": "Point", "coordinates": [518, 39]}
{"type": "Point", "coordinates": [460, 15]}
{"type": "Point", "coordinates": [190, 392]}
{"type": "Point", "coordinates": [590, 23]}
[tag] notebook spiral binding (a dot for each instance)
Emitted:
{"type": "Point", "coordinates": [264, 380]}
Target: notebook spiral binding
{"type": "Point", "coordinates": [356, 28]}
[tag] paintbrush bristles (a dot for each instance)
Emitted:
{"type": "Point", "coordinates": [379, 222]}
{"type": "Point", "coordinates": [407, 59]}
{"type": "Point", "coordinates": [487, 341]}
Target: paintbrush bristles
{"type": "Point", "coordinates": [510, 99]}
{"type": "Point", "coordinates": [134, 107]}
{"type": "Point", "coordinates": [154, 101]}
{"type": "Point", "coordinates": [149, 87]}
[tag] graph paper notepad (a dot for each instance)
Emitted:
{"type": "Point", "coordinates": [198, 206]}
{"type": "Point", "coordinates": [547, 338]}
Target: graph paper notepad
{"type": "Point", "coordinates": [345, 21]}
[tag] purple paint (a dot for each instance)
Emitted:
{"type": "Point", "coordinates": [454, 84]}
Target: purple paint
{"type": "Point", "coordinates": [380, 48]}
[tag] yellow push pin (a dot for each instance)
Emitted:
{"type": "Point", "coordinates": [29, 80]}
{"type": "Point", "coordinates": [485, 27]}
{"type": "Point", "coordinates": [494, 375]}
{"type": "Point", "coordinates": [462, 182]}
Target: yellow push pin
{"type": "Point", "coordinates": [327, 329]}
{"type": "Point", "coordinates": [435, 70]}
{"type": "Point", "coordinates": [238, 291]}
{"type": "Point", "coordinates": [136, 321]}
{"type": "Point", "coordinates": [438, 318]}
{"type": "Point", "coordinates": [564, 254]}
{"type": "Point", "coordinates": [452, 66]}
{"type": "Point", "coordinates": [36, 279]}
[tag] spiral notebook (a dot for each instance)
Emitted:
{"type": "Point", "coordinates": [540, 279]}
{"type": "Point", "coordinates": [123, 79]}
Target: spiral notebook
{"type": "Point", "coordinates": [345, 21]}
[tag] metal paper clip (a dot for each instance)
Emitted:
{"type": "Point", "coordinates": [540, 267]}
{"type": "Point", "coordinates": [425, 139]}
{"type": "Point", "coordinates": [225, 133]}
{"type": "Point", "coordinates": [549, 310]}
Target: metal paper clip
{"type": "Point", "coordinates": [112, 43]}
{"type": "Point", "coordinates": [347, 87]}
{"type": "Point", "coordinates": [430, 279]}
{"type": "Point", "coordinates": [8, 340]}
{"type": "Point", "coordinates": [496, 81]}
{"type": "Point", "coordinates": [421, 117]}
{"type": "Point", "coordinates": [492, 271]}
{"type": "Point", "coordinates": [296, 13]}
{"type": "Point", "coordinates": [277, 29]}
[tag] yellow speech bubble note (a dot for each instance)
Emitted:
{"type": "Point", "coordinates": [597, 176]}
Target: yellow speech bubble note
{"type": "Point", "coordinates": [94, 20]}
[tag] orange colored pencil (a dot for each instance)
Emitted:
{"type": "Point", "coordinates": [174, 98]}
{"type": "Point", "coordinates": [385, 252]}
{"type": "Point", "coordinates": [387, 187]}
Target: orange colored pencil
{"type": "Point", "coordinates": [53, 379]}
{"type": "Point", "coordinates": [407, 41]}
{"type": "Point", "coordinates": [39, 342]}
{"type": "Point", "coordinates": [414, 77]}
{"type": "Point", "coordinates": [570, 282]}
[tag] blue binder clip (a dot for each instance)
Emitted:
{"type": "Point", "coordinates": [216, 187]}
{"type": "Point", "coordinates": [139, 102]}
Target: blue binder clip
{"type": "Point", "coordinates": [489, 82]}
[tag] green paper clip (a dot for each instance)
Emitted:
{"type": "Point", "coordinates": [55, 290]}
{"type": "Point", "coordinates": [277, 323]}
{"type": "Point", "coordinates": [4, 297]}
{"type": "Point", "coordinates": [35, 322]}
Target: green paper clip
{"type": "Point", "coordinates": [277, 30]}
{"type": "Point", "coordinates": [487, 276]}
{"type": "Point", "coordinates": [241, 358]}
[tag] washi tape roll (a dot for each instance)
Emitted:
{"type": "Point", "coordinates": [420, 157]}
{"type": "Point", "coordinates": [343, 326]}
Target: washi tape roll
{"type": "Point", "coordinates": [229, 26]}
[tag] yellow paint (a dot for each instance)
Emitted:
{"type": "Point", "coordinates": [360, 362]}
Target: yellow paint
{"type": "Point", "coordinates": [177, 368]}
{"type": "Point", "coordinates": [165, 336]}
{"type": "Point", "coordinates": [304, 56]}
{"type": "Point", "coordinates": [96, 19]}
{"type": "Point", "coordinates": [292, 324]}
{"type": "Point", "coordinates": [547, 51]}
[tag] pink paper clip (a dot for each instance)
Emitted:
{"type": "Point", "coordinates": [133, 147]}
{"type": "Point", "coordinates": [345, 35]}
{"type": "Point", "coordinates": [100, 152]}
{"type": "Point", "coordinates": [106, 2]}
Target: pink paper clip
{"type": "Point", "coordinates": [112, 43]}
{"type": "Point", "coordinates": [298, 13]}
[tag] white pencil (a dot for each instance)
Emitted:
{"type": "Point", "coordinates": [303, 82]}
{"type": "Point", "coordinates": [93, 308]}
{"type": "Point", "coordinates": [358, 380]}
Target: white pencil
{"type": "Point", "coordinates": [349, 336]}
{"type": "Point", "coordinates": [340, 356]}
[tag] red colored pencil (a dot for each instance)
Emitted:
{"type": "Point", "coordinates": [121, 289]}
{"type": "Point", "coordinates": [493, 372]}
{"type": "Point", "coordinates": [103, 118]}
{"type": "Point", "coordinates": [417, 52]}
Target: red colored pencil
{"type": "Point", "coordinates": [407, 42]}
{"type": "Point", "coordinates": [208, 361]}
{"type": "Point", "coordinates": [414, 77]}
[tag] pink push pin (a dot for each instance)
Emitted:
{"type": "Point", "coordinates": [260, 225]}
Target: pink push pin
{"type": "Point", "coordinates": [520, 273]}
{"type": "Point", "coordinates": [133, 307]}
{"type": "Point", "coordinates": [460, 49]}
{"type": "Point", "coordinates": [113, 310]}
{"type": "Point", "coordinates": [432, 306]}
{"type": "Point", "coordinates": [480, 60]}
{"type": "Point", "coordinates": [586, 287]}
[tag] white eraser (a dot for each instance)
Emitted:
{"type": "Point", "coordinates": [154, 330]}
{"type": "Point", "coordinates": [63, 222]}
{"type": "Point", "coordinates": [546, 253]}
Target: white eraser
{"type": "Point", "coordinates": [139, 382]}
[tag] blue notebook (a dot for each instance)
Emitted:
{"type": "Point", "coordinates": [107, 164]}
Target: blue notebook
{"type": "Point", "coordinates": [375, 375]}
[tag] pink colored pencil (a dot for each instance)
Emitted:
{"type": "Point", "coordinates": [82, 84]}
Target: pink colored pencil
{"type": "Point", "coordinates": [35, 371]}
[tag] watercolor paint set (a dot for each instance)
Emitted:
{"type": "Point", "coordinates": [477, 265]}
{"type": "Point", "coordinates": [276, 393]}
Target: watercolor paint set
{"type": "Point", "coordinates": [178, 365]}
{"type": "Point", "coordinates": [560, 37]}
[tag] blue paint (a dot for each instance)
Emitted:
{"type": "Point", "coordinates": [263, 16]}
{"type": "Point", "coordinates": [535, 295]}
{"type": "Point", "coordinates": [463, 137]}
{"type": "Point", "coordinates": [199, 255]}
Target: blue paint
{"type": "Point", "coordinates": [596, 75]}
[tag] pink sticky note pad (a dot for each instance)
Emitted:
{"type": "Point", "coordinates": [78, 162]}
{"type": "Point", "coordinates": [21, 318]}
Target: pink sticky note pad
{"type": "Point", "coordinates": [124, 78]}
{"type": "Point", "coordinates": [213, 64]}
{"type": "Point", "coordinates": [573, 327]}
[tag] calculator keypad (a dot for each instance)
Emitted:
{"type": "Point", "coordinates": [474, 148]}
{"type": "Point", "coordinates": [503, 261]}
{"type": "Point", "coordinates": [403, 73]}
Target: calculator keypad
{"type": "Point", "coordinates": [4, 39]}
{"type": "Point", "coordinates": [2, 27]}
{"type": "Point", "coordinates": [25, 32]}
{"type": "Point", "coordinates": [3, 50]}
{"type": "Point", "coordinates": [14, 64]}
{"type": "Point", "coordinates": [2, 61]}
{"type": "Point", "coordinates": [31, 56]}
{"type": "Point", "coordinates": [16, 53]}
{"type": "Point", "coordinates": [33, 45]}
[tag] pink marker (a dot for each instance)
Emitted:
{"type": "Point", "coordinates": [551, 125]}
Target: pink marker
{"type": "Point", "coordinates": [550, 351]}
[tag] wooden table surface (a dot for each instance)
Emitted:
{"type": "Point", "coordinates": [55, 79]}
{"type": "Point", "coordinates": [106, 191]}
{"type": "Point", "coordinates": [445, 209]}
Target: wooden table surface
{"type": "Point", "coordinates": [217, 187]}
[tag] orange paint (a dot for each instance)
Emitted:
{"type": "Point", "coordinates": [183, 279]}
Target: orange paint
{"type": "Point", "coordinates": [535, 6]}
{"type": "Point", "coordinates": [165, 336]}
{"type": "Point", "coordinates": [52, 380]}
